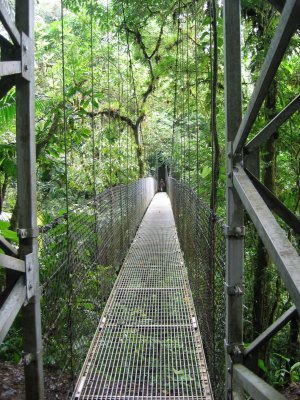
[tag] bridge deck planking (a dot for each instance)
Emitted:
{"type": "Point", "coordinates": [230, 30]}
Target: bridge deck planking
{"type": "Point", "coordinates": [147, 344]}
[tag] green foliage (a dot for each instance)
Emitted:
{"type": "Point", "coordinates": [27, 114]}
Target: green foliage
{"type": "Point", "coordinates": [281, 371]}
{"type": "Point", "coordinates": [7, 233]}
{"type": "Point", "coordinates": [11, 349]}
{"type": "Point", "coordinates": [104, 152]}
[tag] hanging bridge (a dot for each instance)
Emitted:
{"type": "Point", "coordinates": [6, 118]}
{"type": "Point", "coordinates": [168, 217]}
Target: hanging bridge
{"type": "Point", "coordinates": [169, 324]}
{"type": "Point", "coordinates": [147, 343]}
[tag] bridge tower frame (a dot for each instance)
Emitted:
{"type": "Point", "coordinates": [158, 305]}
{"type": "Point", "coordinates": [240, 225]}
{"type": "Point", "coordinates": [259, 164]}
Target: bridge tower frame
{"type": "Point", "coordinates": [22, 273]}
{"type": "Point", "coordinates": [244, 192]}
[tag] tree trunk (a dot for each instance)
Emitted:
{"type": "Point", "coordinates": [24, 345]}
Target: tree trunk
{"type": "Point", "coordinates": [14, 218]}
{"type": "Point", "coordinates": [3, 190]}
{"type": "Point", "coordinates": [139, 154]}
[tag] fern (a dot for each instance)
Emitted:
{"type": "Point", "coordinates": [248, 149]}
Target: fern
{"type": "Point", "coordinates": [7, 110]}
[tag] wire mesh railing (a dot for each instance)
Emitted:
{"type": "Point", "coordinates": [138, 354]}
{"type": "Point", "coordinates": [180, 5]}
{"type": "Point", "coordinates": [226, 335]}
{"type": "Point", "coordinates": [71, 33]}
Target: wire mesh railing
{"type": "Point", "coordinates": [147, 344]}
{"type": "Point", "coordinates": [202, 240]}
{"type": "Point", "coordinates": [80, 254]}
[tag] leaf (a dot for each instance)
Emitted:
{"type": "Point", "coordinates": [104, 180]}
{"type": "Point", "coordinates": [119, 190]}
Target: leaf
{"type": "Point", "coordinates": [282, 357]}
{"type": "Point", "coordinates": [294, 366]}
{"type": "Point", "coordinates": [4, 225]}
{"type": "Point", "coordinates": [261, 365]}
{"type": "Point", "coordinates": [11, 235]}
{"type": "Point", "coordinates": [206, 171]}
{"type": "Point", "coordinates": [9, 167]}
{"type": "Point", "coordinates": [186, 378]}
{"type": "Point", "coordinates": [178, 372]}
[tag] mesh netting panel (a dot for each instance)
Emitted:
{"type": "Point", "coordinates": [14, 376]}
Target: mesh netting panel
{"type": "Point", "coordinates": [147, 344]}
{"type": "Point", "coordinates": [203, 243]}
{"type": "Point", "coordinates": [80, 254]}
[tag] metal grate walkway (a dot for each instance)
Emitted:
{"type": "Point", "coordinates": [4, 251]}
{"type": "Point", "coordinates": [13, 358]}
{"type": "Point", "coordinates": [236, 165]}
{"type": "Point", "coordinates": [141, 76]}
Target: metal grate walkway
{"type": "Point", "coordinates": [147, 345]}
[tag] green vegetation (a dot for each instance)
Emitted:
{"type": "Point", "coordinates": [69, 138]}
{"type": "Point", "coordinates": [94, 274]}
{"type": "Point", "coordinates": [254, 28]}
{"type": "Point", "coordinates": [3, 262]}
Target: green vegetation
{"type": "Point", "coordinates": [134, 86]}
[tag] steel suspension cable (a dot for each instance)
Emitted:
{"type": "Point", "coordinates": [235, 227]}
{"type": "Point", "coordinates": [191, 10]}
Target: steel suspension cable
{"type": "Point", "coordinates": [213, 88]}
{"type": "Point", "coordinates": [183, 106]}
{"type": "Point", "coordinates": [93, 98]}
{"type": "Point", "coordinates": [188, 98]}
{"type": "Point", "coordinates": [175, 122]}
{"type": "Point", "coordinates": [131, 70]}
{"type": "Point", "coordinates": [120, 95]}
{"type": "Point", "coordinates": [70, 293]}
{"type": "Point", "coordinates": [127, 127]}
{"type": "Point", "coordinates": [212, 219]}
{"type": "Point", "coordinates": [119, 98]}
{"type": "Point", "coordinates": [108, 93]}
{"type": "Point", "coordinates": [197, 96]}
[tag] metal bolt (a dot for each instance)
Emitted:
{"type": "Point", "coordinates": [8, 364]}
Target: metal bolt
{"type": "Point", "coordinates": [25, 48]}
{"type": "Point", "coordinates": [30, 286]}
{"type": "Point", "coordinates": [238, 230]}
{"type": "Point", "coordinates": [25, 67]}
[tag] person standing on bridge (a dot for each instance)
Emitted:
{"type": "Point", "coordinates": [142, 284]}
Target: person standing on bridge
{"type": "Point", "coordinates": [162, 185]}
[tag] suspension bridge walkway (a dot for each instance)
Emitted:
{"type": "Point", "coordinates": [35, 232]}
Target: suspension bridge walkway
{"type": "Point", "coordinates": [147, 344]}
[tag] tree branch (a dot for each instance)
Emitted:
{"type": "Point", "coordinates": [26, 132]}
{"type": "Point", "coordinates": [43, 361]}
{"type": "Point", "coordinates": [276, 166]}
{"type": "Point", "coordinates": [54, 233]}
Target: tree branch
{"type": "Point", "coordinates": [115, 114]}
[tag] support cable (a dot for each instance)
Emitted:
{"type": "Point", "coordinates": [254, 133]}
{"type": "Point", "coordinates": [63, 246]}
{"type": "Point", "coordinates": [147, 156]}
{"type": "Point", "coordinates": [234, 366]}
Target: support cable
{"type": "Point", "coordinates": [212, 222]}
{"type": "Point", "coordinates": [213, 122]}
{"type": "Point", "coordinates": [69, 305]}
{"type": "Point", "coordinates": [131, 72]}
{"type": "Point", "coordinates": [93, 126]}
{"type": "Point", "coordinates": [120, 95]}
{"type": "Point", "coordinates": [93, 98]}
{"type": "Point", "coordinates": [127, 127]}
{"type": "Point", "coordinates": [188, 98]}
{"type": "Point", "coordinates": [175, 117]}
{"type": "Point", "coordinates": [197, 98]}
{"type": "Point", "coordinates": [211, 105]}
{"type": "Point", "coordinates": [108, 93]}
{"type": "Point", "coordinates": [182, 170]}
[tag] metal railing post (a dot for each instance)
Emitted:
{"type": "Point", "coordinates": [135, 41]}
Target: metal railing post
{"type": "Point", "coordinates": [234, 228]}
{"type": "Point", "coordinates": [27, 214]}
